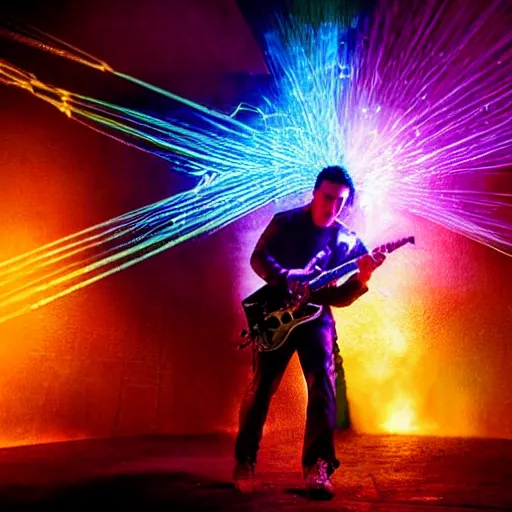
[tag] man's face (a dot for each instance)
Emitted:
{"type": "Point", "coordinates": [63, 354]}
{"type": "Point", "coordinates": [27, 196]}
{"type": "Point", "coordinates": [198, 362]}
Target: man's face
{"type": "Point", "coordinates": [328, 201]}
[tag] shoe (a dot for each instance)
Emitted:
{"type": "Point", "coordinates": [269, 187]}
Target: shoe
{"type": "Point", "coordinates": [318, 481]}
{"type": "Point", "coordinates": [243, 476]}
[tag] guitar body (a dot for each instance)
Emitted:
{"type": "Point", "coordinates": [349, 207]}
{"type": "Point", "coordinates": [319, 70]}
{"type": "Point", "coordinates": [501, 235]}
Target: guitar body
{"type": "Point", "coordinates": [272, 316]}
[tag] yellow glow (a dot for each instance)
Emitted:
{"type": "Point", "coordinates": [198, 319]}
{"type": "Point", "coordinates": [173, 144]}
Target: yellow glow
{"type": "Point", "coordinates": [382, 354]}
{"type": "Point", "coordinates": [402, 417]}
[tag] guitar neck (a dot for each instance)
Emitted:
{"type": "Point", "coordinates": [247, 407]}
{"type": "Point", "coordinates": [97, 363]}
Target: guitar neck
{"type": "Point", "coordinates": [347, 270]}
{"type": "Point", "coordinates": [351, 268]}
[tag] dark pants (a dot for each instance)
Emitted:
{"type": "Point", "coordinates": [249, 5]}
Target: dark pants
{"type": "Point", "coordinates": [314, 344]}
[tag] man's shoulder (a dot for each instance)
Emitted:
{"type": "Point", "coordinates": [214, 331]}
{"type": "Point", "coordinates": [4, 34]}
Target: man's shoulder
{"type": "Point", "coordinates": [345, 236]}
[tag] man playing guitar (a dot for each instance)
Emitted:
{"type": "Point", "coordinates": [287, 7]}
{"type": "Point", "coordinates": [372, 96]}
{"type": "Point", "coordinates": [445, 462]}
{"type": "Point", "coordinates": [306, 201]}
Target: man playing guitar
{"type": "Point", "coordinates": [281, 257]}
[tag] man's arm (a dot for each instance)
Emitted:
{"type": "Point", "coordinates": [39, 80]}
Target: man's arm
{"type": "Point", "coordinates": [353, 288]}
{"type": "Point", "coordinates": [357, 285]}
{"type": "Point", "coordinates": [262, 262]}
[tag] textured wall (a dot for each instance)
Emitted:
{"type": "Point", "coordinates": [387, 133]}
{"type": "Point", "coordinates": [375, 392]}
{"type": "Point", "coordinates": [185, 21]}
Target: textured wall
{"type": "Point", "coordinates": [152, 349]}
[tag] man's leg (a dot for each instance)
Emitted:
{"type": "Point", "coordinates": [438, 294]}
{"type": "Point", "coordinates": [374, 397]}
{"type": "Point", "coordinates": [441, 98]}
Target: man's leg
{"type": "Point", "coordinates": [270, 367]}
{"type": "Point", "coordinates": [315, 350]}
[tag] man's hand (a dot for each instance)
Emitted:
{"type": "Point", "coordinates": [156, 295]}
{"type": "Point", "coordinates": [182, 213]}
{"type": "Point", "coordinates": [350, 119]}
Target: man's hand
{"type": "Point", "coordinates": [297, 279]}
{"type": "Point", "coordinates": [368, 263]}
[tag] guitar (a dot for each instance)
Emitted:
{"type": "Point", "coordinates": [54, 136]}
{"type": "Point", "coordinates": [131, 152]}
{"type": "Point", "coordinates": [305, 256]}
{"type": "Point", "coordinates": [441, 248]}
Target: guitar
{"type": "Point", "coordinates": [272, 314]}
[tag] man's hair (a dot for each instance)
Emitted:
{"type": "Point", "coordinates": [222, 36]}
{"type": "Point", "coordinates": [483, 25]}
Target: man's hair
{"type": "Point", "coordinates": [340, 176]}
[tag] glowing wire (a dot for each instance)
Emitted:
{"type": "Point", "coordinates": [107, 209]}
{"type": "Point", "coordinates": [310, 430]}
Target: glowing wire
{"type": "Point", "coordinates": [417, 106]}
{"type": "Point", "coordinates": [31, 36]}
{"type": "Point", "coordinates": [54, 271]}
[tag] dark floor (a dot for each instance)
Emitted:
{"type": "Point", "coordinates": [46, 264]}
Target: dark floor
{"type": "Point", "coordinates": [378, 473]}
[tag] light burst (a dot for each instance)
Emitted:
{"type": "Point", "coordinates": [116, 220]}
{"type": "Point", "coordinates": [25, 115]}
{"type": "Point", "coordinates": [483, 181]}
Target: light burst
{"type": "Point", "coordinates": [415, 101]}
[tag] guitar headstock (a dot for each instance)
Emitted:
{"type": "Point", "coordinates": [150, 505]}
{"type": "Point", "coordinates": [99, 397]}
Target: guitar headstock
{"type": "Point", "coordinates": [393, 246]}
